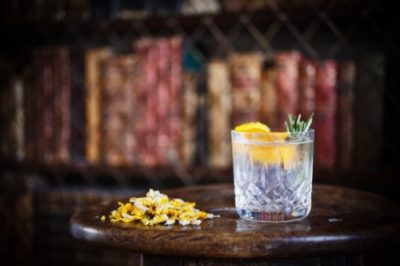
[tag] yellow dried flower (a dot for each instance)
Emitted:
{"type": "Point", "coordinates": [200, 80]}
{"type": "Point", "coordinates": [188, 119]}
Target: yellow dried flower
{"type": "Point", "coordinates": [157, 208]}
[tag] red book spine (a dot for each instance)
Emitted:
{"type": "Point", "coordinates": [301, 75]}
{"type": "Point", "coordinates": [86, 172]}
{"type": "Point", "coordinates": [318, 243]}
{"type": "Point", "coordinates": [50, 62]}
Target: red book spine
{"type": "Point", "coordinates": [146, 125]}
{"type": "Point", "coordinates": [52, 85]}
{"type": "Point", "coordinates": [175, 82]}
{"type": "Point", "coordinates": [307, 75]}
{"type": "Point", "coordinates": [325, 118]}
{"type": "Point", "coordinates": [287, 75]}
{"type": "Point", "coordinates": [163, 98]}
{"type": "Point", "coordinates": [141, 48]}
{"type": "Point", "coordinates": [151, 112]}
{"type": "Point", "coordinates": [44, 105]}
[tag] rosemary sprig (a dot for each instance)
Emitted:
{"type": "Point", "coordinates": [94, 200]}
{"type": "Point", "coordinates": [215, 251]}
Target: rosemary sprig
{"type": "Point", "coordinates": [296, 125]}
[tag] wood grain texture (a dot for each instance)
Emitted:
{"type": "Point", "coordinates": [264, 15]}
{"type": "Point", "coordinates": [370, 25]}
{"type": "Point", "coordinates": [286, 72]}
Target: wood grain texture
{"type": "Point", "coordinates": [338, 260]}
{"type": "Point", "coordinates": [342, 221]}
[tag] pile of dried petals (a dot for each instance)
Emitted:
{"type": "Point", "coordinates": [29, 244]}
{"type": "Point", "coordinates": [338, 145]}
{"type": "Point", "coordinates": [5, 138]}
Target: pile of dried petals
{"type": "Point", "coordinates": [157, 208]}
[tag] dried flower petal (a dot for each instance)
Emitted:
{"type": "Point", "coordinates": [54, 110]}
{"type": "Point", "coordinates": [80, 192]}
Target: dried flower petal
{"type": "Point", "coordinates": [157, 208]}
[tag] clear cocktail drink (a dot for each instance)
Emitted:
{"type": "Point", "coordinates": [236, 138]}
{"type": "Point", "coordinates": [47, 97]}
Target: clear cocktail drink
{"type": "Point", "coordinates": [273, 175]}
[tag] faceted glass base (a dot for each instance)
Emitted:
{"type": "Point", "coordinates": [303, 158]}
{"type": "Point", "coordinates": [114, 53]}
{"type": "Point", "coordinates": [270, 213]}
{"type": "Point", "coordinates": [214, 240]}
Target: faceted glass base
{"type": "Point", "coordinates": [274, 217]}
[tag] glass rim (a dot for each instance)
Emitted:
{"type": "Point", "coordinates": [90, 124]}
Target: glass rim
{"type": "Point", "coordinates": [251, 137]}
{"type": "Point", "coordinates": [271, 133]}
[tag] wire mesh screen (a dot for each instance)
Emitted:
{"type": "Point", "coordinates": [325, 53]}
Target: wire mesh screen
{"type": "Point", "coordinates": [362, 32]}
{"type": "Point", "coordinates": [331, 30]}
{"type": "Point", "coordinates": [318, 30]}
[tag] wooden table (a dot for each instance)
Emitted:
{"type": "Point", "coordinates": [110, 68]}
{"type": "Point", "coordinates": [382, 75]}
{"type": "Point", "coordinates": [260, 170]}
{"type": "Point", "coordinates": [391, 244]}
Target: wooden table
{"type": "Point", "coordinates": [345, 227]}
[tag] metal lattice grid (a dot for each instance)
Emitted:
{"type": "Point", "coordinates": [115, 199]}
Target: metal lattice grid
{"type": "Point", "coordinates": [321, 32]}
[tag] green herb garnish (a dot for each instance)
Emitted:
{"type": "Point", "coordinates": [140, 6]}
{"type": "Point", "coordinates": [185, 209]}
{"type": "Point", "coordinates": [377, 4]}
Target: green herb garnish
{"type": "Point", "coordinates": [296, 125]}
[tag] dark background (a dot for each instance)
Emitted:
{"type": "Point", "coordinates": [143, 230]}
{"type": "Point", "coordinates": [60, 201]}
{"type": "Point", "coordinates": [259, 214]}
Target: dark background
{"type": "Point", "coordinates": [37, 200]}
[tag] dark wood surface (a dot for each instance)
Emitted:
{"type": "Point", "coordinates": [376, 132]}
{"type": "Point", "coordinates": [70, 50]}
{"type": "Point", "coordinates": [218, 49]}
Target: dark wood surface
{"type": "Point", "coordinates": [342, 221]}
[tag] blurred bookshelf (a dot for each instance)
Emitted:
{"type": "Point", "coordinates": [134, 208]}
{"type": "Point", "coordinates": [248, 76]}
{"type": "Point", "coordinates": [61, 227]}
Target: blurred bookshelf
{"type": "Point", "coordinates": [318, 30]}
{"type": "Point", "coordinates": [341, 58]}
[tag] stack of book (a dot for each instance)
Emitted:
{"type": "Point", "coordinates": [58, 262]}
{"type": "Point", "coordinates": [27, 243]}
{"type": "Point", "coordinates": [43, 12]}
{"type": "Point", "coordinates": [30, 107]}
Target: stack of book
{"type": "Point", "coordinates": [290, 83]}
{"type": "Point", "coordinates": [133, 104]}
{"type": "Point", "coordinates": [147, 108]}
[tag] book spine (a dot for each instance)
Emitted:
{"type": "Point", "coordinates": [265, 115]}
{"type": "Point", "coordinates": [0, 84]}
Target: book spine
{"type": "Point", "coordinates": [146, 124]}
{"type": "Point", "coordinates": [346, 83]}
{"type": "Point", "coordinates": [219, 106]}
{"type": "Point", "coordinates": [287, 75]}
{"type": "Point", "coordinates": [77, 104]}
{"type": "Point", "coordinates": [202, 122]}
{"type": "Point", "coordinates": [141, 48]}
{"type": "Point", "coordinates": [189, 99]}
{"type": "Point", "coordinates": [269, 98]}
{"type": "Point", "coordinates": [93, 60]}
{"type": "Point", "coordinates": [48, 89]}
{"type": "Point", "coordinates": [245, 77]}
{"type": "Point", "coordinates": [163, 98]}
{"type": "Point", "coordinates": [62, 89]}
{"type": "Point", "coordinates": [12, 116]}
{"type": "Point", "coordinates": [369, 111]}
{"type": "Point", "coordinates": [325, 118]}
{"type": "Point", "coordinates": [5, 123]}
{"type": "Point", "coordinates": [307, 75]}
{"type": "Point", "coordinates": [175, 83]}
{"type": "Point", "coordinates": [30, 113]}
{"type": "Point", "coordinates": [44, 106]}
{"type": "Point", "coordinates": [117, 85]}
{"type": "Point", "coordinates": [19, 124]}
{"type": "Point", "coordinates": [38, 64]}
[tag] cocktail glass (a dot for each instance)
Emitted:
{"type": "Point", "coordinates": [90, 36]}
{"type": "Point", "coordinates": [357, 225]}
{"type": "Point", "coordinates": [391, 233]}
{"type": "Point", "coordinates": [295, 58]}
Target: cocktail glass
{"type": "Point", "coordinates": [273, 175]}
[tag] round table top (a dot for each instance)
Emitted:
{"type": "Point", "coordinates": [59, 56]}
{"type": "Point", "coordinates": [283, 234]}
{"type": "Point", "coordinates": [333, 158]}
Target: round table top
{"type": "Point", "coordinates": [342, 220]}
